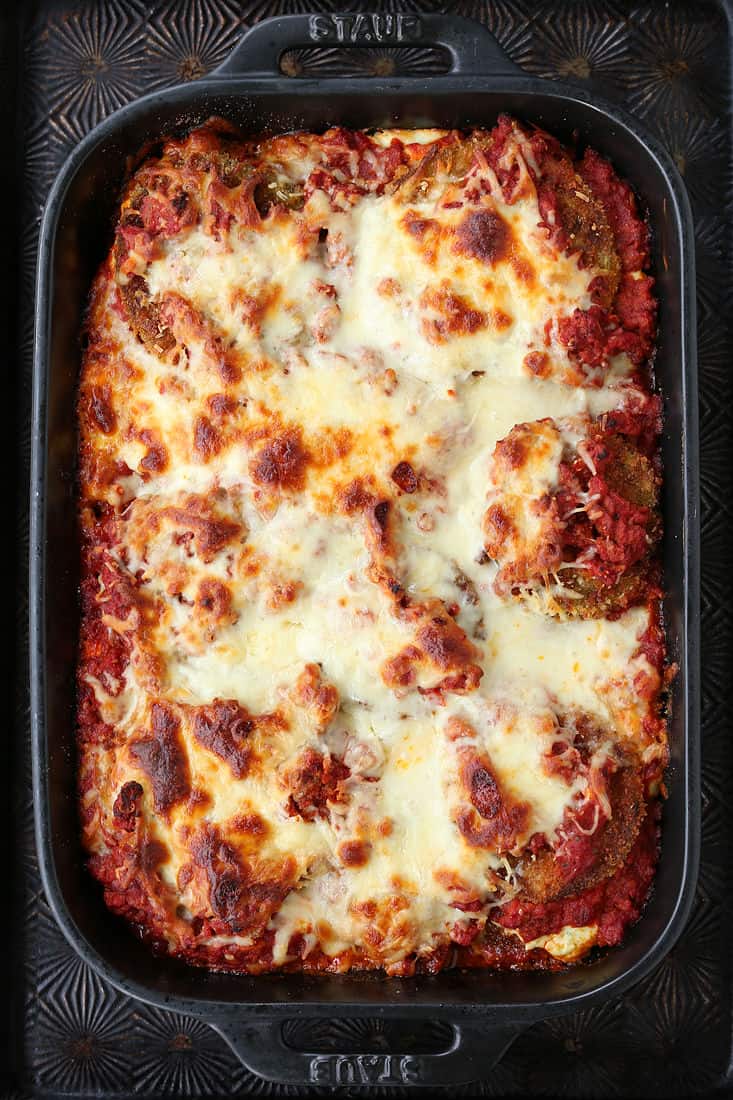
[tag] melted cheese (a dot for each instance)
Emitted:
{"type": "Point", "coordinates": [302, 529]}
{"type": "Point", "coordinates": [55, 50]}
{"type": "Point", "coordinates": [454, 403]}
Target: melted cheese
{"type": "Point", "coordinates": [569, 943]}
{"type": "Point", "coordinates": [374, 370]}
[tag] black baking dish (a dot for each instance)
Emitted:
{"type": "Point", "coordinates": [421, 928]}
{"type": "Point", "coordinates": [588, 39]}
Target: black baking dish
{"type": "Point", "coordinates": [485, 1009]}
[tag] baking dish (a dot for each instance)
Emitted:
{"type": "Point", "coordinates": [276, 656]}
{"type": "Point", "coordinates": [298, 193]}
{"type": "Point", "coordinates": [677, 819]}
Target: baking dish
{"type": "Point", "coordinates": [485, 1010]}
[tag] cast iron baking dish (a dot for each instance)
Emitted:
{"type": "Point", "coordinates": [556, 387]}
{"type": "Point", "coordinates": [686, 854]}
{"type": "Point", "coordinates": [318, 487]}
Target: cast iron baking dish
{"type": "Point", "coordinates": [486, 1010]}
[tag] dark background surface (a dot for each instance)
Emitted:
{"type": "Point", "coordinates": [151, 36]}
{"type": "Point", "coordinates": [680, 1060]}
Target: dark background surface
{"type": "Point", "coordinates": [65, 66]}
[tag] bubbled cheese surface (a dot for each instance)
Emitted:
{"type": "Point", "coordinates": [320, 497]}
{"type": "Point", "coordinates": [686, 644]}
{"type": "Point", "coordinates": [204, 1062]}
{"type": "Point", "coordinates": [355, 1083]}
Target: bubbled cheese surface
{"type": "Point", "coordinates": [378, 381]}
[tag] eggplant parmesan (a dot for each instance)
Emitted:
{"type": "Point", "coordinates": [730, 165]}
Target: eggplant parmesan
{"type": "Point", "coordinates": [371, 668]}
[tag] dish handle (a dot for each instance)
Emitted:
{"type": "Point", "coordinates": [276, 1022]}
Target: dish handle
{"type": "Point", "coordinates": [472, 48]}
{"type": "Point", "coordinates": [476, 1047]}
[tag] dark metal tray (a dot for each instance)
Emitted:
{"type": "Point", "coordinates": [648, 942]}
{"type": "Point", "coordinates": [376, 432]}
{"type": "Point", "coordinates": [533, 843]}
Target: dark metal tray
{"type": "Point", "coordinates": [485, 1011]}
{"type": "Point", "coordinates": [106, 1048]}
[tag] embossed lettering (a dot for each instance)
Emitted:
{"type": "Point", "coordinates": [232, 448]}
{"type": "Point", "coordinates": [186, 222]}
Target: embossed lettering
{"type": "Point", "coordinates": [346, 1070]}
{"type": "Point", "coordinates": [320, 1066]}
{"type": "Point", "coordinates": [364, 1069]}
{"type": "Point", "coordinates": [384, 27]}
{"type": "Point", "coordinates": [319, 27]}
{"type": "Point", "coordinates": [360, 29]}
{"type": "Point", "coordinates": [408, 26]}
{"type": "Point", "coordinates": [371, 1068]}
{"type": "Point", "coordinates": [410, 1070]}
{"type": "Point", "coordinates": [364, 28]}
{"type": "Point", "coordinates": [341, 24]}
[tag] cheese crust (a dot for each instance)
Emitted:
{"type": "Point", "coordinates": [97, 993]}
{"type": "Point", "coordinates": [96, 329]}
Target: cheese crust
{"type": "Point", "coordinates": [371, 665]}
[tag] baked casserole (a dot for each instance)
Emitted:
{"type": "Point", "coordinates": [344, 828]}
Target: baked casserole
{"type": "Point", "coordinates": [372, 668]}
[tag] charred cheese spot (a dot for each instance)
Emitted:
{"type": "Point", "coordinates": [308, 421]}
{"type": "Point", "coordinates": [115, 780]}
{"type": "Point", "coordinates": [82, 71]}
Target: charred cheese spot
{"type": "Point", "coordinates": [405, 477]}
{"type": "Point", "coordinates": [153, 853]}
{"type": "Point", "coordinates": [251, 824]}
{"type": "Point", "coordinates": [493, 820]}
{"type": "Point", "coordinates": [440, 646]}
{"type": "Point", "coordinates": [419, 227]}
{"type": "Point", "coordinates": [354, 853]}
{"type": "Point", "coordinates": [426, 233]}
{"type": "Point", "coordinates": [499, 320]}
{"type": "Point", "coordinates": [399, 671]}
{"type": "Point", "coordinates": [282, 593]}
{"type": "Point", "coordinates": [445, 643]}
{"type": "Point", "coordinates": [354, 497]}
{"type": "Point", "coordinates": [102, 410]}
{"type": "Point", "coordinates": [452, 315]}
{"type": "Point", "coordinates": [191, 327]}
{"type": "Point", "coordinates": [206, 439]}
{"type": "Point", "coordinates": [537, 363]}
{"type": "Point", "coordinates": [198, 802]}
{"type": "Point", "coordinates": [523, 269]}
{"type": "Point", "coordinates": [316, 696]}
{"type": "Point", "coordinates": [155, 459]}
{"type": "Point", "coordinates": [388, 288]}
{"type": "Point", "coordinates": [221, 405]}
{"type": "Point", "coordinates": [380, 526]}
{"type": "Point", "coordinates": [330, 447]}
{"type": "Point", "coordinates": [242, 896]}
{"type": "Point", "coordinates": [224, 728]}
{"type": "Point", "coordinates": [215, 600]}
{"type": "Point", "coordinates": [498, 528]}
{"type": "Point", "coordinates": [457, 728]}
{"type": "Point", "coordinates": [462, 895]}
{"type": "Point", "coordinates": [255, 308]}
{"type": "Point", "coordinates": [126, 807]}
{"type": "Point", "coordinates": [195, 520]}
{"type": "Point", "coordinates": [163, 758]}
{"type": "Point", "coordinates": [282, 462]}
{"type": "Point", "coordinates": [313, 782]}
{"type": "Point", "coordinates": [484, 235]}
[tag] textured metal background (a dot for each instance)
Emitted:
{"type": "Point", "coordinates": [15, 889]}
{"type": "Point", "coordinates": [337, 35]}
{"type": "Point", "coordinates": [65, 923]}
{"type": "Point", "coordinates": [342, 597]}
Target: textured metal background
{"type": "Point", "coordinates": [66, 1031]}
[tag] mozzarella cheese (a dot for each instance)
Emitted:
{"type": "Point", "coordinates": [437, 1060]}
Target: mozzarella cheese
{"type": "Point", "coordinates": [385, 344]}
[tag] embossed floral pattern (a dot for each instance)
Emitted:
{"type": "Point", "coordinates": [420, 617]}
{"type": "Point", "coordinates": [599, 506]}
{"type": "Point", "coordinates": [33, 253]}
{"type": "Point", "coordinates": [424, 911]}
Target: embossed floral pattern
{"type": "Point", "coordinates": [581, 1054]}
{"type": "Point", "coordinates": [690, 969]}
{"type": "Point", "coordinates": [672, 68]}
{"type": "Point", "coordinates": [367, 1035]}
{"type": "Point", "coordinates": [179, 1056]}
{"type": "Point", "coordinates": [576, 45]}
{"type": "Point", "coordinates": [698, 148]}
{"type": "Point", "coordinates": [83, 1036]}
{"type": "Point", "coordinates": [675, 1028]}
{"type": "Point", "coordinates": [395, 61]}
{"type": "Point", "coordinates": [710, 245]}
{"type": "Point", "coordinates": [93, 57]}
{"type": "Point", "coordinates": [185, 41]}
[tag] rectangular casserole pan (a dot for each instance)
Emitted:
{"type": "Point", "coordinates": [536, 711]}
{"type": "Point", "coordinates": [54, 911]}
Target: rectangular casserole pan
{"type": "Point", "coordinates": [486, 1010]}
